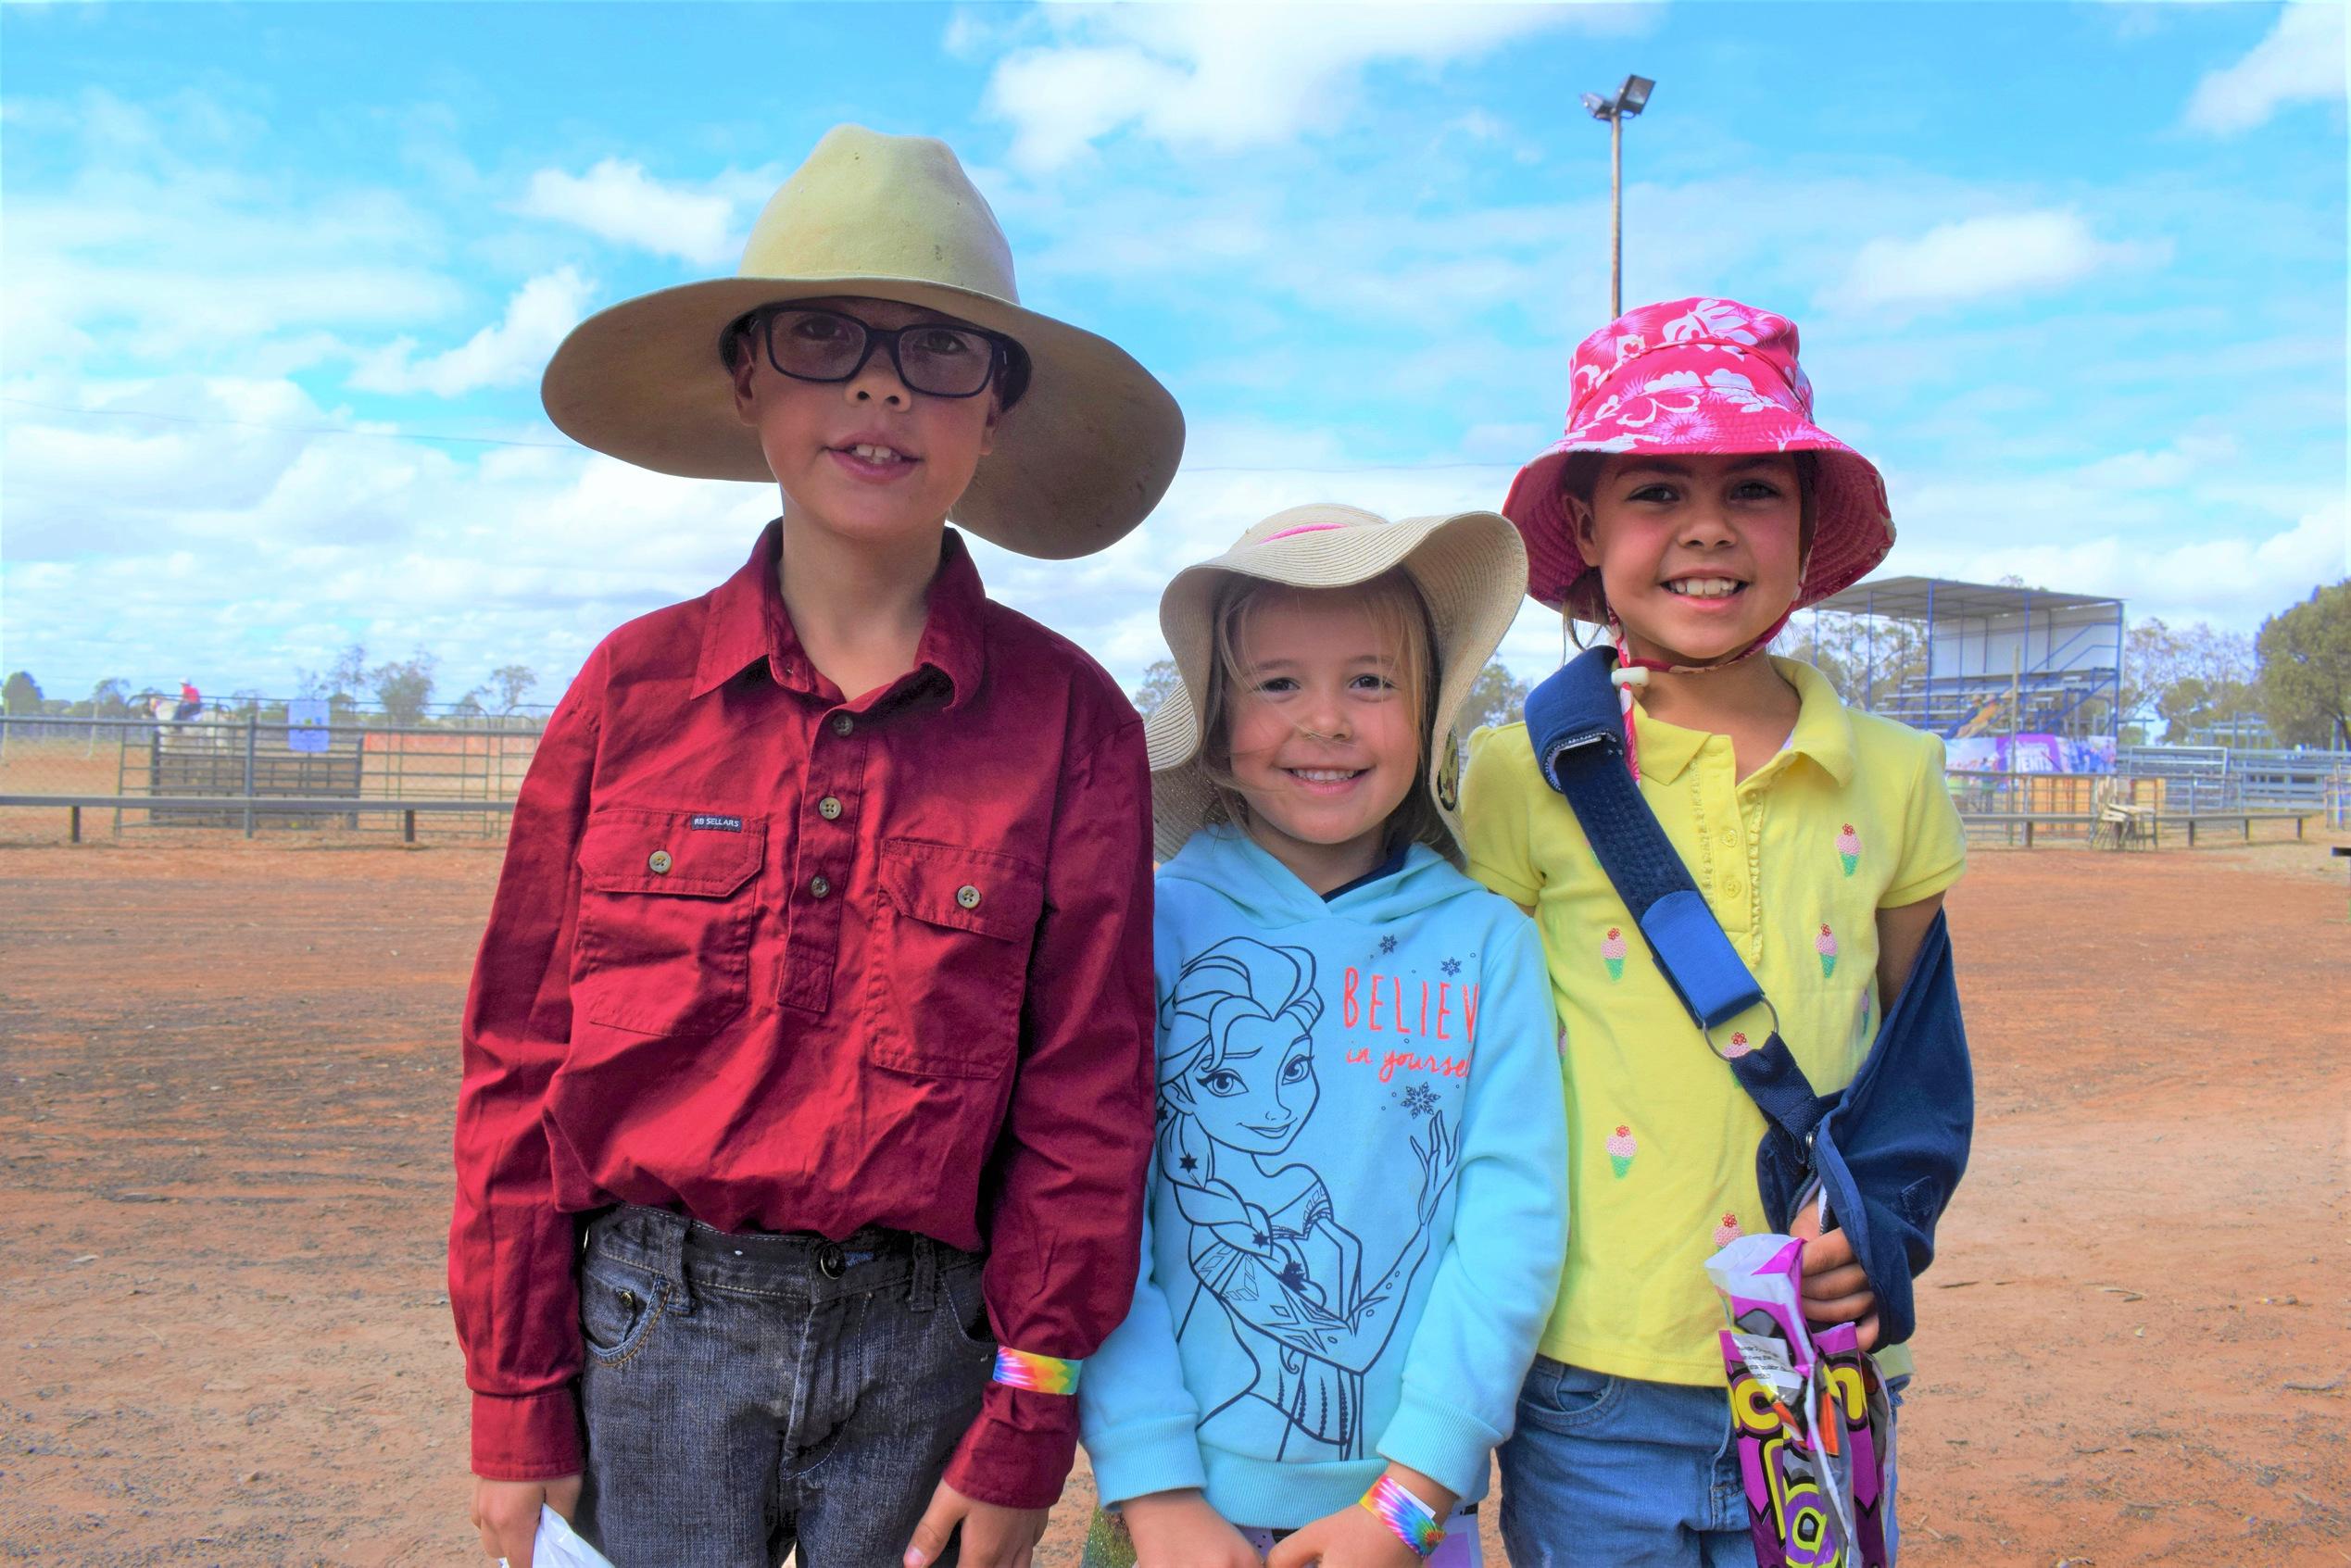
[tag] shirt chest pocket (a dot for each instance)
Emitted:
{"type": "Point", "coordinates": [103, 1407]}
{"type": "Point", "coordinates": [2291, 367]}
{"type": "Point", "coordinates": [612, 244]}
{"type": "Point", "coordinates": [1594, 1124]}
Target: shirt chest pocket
{"type": "Point", "coordinates": [664, 939]}
{"type": "Point", "coordinates": [952, 932]}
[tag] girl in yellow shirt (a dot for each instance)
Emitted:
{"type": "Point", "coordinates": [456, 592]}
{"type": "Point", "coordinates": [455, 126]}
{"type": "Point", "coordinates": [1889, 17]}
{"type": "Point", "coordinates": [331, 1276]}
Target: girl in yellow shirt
{"type": "Point", "coordinates": [1691, 509]}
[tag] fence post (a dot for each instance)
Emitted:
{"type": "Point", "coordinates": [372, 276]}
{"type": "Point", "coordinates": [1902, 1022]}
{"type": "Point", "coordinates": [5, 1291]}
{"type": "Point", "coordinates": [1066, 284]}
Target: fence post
{"type": "Point", "coordinates": [252, 722]}
{"type": "Point", "coordinates": [74, 818]}
{"type": "Point", "coordinates": [408, 826]}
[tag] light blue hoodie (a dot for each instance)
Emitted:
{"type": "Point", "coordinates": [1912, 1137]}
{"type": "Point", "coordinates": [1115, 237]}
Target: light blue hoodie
{"type": "Point", "coordinates": [1355, 1221]}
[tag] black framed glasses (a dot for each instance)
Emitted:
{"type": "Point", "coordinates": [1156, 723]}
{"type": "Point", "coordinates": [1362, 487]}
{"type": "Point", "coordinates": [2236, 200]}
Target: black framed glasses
{"type": "Point", "coordinates": [937, 358]}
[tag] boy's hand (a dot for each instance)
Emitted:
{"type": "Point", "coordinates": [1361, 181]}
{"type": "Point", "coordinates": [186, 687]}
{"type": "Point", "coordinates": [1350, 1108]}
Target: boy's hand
{"type": "Point", "coordinates": [506, 1512]}
{"type": "Point", "coordinates": [993, 1537]}
{"type": "Point", "coordinates": [1356, 1538]}
{"type": "Point", "coordinates": [1181, 1530]}
{"type": "Point", "coordinates": [1835, 1288]}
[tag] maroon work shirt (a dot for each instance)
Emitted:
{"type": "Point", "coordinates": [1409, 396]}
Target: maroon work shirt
{"type": "Point", "coordinates": [788, 962]}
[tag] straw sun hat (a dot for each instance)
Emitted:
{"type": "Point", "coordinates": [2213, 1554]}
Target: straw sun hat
{"type": "Point", "coordinates": [1079, 459]}
{"type": "Point", "coordinates": [1470, 568]}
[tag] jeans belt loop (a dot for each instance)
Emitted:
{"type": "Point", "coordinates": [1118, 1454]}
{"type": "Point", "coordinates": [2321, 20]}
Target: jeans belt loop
{"type": "Point", "coordinates": [672, 1229]}
{"type": "Point", "coordinates": [924, 1293]}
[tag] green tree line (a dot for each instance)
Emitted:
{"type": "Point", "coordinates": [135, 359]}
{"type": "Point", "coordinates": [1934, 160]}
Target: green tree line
{"type": "Point", "coordinates": [2294, 673]}
{"type": "Point", "coordinates": [402, 689]}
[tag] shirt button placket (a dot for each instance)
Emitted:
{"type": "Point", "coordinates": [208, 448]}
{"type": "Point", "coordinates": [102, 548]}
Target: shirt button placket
{"type": "Point", "coordinates": [836, 752]}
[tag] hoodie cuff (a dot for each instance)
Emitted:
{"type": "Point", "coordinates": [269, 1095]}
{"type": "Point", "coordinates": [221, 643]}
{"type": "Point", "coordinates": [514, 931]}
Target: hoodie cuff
{"type": "Point", "coordinates": [1440, 1442]}
{"type": "Point", "coordinates": [1140, 1458]}
{"type": "Point", "coordinates": [527, 1437]}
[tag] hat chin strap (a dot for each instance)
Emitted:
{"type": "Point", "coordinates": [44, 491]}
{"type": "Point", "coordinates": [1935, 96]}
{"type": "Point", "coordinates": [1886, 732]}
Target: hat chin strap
{"type": "Point", "coordinates": [1631, 671]}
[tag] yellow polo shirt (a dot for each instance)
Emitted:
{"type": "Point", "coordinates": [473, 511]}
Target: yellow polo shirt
{"type": "Point", "coordinates": [1848, 818]}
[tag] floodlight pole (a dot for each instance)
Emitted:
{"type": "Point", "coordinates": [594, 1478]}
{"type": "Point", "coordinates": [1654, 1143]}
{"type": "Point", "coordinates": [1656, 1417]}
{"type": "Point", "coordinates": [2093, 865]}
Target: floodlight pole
{"type": "Point", "coordinates": [1626, 101]}
{"type": "Point", "coordinates": [1615, 216]}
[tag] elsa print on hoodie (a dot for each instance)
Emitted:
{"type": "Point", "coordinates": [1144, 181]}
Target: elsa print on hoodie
{"type": "Point", "coordinates": [1237, 1087]}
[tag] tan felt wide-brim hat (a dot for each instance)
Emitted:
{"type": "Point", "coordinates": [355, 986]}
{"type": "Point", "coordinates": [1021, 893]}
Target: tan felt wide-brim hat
{"type": "Point", "coordinates": [1079, 461]}
{"type": "Point", "coordinates": [1470, 568]}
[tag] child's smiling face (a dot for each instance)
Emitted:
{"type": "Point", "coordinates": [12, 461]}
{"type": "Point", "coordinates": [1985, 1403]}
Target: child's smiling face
{"type": "Point", "coordinates": [868, 458]}
{"type": "Point", "coordinates": [1324, 733]}
{"type": "Point", "coordinates": [1698, 554]}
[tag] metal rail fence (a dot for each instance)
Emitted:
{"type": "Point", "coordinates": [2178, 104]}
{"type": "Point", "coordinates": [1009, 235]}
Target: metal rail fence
{"type": "Point", "coordinates": [2152, 799]}
{"type": "Point", "coordinates": [238, 771]}
{"type": "Point", "coordinates": [458, 778]}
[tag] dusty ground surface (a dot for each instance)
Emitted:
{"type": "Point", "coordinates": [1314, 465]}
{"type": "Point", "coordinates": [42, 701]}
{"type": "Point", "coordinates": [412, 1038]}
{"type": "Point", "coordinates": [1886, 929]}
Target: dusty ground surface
{"type": "Point", "coordinates": [223, 1188]}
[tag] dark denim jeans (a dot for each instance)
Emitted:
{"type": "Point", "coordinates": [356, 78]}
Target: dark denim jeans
{"type": "Point", "coordinates": [750, 1395]}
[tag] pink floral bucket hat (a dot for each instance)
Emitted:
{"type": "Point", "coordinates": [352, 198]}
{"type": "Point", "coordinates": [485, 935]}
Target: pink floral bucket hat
{"type": "Point", "coordinates": [1697, 376]}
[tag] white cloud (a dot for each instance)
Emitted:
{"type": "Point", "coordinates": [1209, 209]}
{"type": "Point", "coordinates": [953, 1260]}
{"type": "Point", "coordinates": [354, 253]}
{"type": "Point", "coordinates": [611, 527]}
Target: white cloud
{"type": "Point", "coordinates": [1997, 255]}
{"type": "Point", "coordinates": [243, 545]}
{"type": "Point", "coordinates": [508, 354]}
{"type": "Point", "coordinates": [164, 244]}
{"type": "Point", "coordinates": [1226, 78]}
{"type": "Point", "coordinates": [617, 200]}
{"type": "Point", "coordinates": [2301, 59]}
{"type": "Point", "coordinates": [2234, 579]}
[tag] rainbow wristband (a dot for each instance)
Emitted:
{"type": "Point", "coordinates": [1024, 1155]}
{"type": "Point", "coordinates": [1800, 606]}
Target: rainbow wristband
{"type": "Point", "coordinates": [1413, 1521]}
{"type": "Point", "coordinates": [1041, 1375]}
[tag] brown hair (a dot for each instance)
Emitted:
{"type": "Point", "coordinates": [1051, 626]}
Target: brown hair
{"type": "Point", "coordinates": [1393, 603]}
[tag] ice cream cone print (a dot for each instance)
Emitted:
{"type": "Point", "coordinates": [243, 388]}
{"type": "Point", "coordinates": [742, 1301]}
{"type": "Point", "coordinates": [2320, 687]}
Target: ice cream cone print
{"type": "Point", "coordinates": [1612, 953]}
{"type": "Point", "coordinates": [1621, 1150]}
{"type": "Point", "coordinates": [1849, 850]}
{"type": "Point", "coordinates": [1826, 946]}
{"type": "Point", "coordinates": [1728, 1232]}
{"type": "Point", "coordinates": [1740, 1045]}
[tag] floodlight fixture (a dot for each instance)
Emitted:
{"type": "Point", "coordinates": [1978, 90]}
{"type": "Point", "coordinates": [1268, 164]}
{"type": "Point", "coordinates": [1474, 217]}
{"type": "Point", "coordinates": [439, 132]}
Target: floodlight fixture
{"type": "Point", "coordinates": [1630, 99]}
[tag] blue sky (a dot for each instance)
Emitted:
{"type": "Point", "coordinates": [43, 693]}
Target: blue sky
{"type": "Point", "coordinates": [278, 281]}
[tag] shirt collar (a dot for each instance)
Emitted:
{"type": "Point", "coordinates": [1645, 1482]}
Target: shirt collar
{"type": "Point", "coordinates": [748, 624]}
{"type": "Point", "coordinates": [1823, 731]}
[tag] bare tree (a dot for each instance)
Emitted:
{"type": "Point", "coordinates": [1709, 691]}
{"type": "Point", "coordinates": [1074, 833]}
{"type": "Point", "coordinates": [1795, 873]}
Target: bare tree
{"type": "Point", "coordinates": [1159, 684]}
{"type": "Point", "coordinates": [110, 699]}
{"type": "Point", "coordinates": [1864, 657]}
{"type": "Point", "coordinates": [513, 683]}
{"type": "Point", "coordinates": [347, 677]}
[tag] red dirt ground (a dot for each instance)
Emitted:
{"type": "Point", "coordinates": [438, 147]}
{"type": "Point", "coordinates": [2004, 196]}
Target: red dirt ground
{"type": "Point", "coordinates": [226, 1183]}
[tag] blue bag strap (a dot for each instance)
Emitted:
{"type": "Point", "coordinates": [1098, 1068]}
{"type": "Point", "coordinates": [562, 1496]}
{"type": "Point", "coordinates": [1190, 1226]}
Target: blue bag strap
{"type": "Point", "coordinates": [1576, 728]}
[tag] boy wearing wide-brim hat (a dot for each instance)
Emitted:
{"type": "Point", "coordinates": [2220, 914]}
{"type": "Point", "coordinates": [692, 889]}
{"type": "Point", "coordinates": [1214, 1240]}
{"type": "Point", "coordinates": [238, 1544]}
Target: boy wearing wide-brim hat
{"type": "Point", "coordinates": [807, 1061]}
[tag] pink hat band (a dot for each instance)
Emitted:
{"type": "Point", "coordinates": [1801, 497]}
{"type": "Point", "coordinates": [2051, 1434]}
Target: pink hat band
{"type": "Point", "coordinates": [1697, 377]}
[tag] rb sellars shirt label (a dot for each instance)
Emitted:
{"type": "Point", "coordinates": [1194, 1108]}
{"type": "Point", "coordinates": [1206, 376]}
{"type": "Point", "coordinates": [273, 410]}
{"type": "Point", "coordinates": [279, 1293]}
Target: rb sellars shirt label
{"type": "Point", "coordinates": [716, 823]}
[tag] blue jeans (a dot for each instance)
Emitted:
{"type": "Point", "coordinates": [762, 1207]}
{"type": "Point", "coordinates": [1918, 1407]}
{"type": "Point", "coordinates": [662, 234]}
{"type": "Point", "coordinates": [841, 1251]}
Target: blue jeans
{"type": "Point", "coordinates": [746, 1395]}
{"type": "Point", "coordinates": [1614, 1473]}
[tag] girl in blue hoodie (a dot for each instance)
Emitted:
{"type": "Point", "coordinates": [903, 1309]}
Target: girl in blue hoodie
{"type": "Point", "coordinates": [1354, 1231]}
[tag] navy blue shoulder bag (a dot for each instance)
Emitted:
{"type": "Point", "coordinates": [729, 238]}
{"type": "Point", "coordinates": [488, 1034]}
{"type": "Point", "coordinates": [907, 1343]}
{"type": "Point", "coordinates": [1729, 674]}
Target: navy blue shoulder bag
{"type": "Point", "coordinates": [1890, 1149]}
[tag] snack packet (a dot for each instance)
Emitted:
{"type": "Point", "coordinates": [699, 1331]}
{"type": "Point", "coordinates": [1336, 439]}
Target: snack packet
{"type": "Point", "coordinates": [1812, 1418]}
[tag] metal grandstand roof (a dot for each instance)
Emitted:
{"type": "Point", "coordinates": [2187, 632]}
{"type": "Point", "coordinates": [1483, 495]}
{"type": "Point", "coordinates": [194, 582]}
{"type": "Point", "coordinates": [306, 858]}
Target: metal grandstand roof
{"type": "Point", "coordinates": [1912, 599]}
